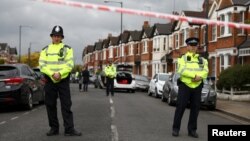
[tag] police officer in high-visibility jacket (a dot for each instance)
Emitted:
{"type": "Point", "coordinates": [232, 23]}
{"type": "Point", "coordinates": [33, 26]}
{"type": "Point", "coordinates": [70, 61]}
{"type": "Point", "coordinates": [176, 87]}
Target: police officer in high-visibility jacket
{"type": "Point", "coordinates": [193, 69]}
{"type": "Point", "coordinates": [56, 62]}
{"type": "Point", "coordinates": [110, 73]}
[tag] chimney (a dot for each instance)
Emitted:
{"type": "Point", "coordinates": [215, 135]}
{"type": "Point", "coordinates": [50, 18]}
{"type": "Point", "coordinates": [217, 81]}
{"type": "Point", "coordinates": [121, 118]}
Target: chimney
{"type": "Point", "coordinates": [145, 24]}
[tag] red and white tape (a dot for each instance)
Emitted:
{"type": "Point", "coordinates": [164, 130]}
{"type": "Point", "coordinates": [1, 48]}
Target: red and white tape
{"type": "Point", "coordinates": [146, 13]}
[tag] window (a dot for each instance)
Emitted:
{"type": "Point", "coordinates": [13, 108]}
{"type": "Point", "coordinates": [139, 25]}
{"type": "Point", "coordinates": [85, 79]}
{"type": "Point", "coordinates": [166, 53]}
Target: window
{"type": "Point", "coordinates": [221, 63]}
{"type": "Point", "coordinates": [164, 68]}
{"type": "Point", "coordinates": [240, 20]}
{"type": "Point", "coordinates": [226, 30]}
{"type": "Point", "coordinates": [122, 50]}
{"type": "Point", "coordinates": [170, 42]}
{"type": "Point", "coordinates": [196, 33]}
{"type": "Point", "coordinates": [214, 32]}
{"type": "Point", "coordinates": [186, 34]}
{"type": "Point", "coordinates": [111, 52]}
{"type": "Point", "coordinates": [213, 66]}
{"type": "Point", "coordinates": [229, 16]}
{"type": "Point", "coordinates": [204, 36]}
{"type": "Point", "coordinates": [176, 41]}
{"type": "Point", "coordinates": [131, 49]}
{"type": "Point", "coordinates": [222, 28]}
{"type": "Point", "coordinates": [182, 37]}
{"type": "Point", "coordinates": [117, 52]}
{"type": "Point", "coordinates": [164, 43]}
{"type": "Point", "coordinates": [145, 47]}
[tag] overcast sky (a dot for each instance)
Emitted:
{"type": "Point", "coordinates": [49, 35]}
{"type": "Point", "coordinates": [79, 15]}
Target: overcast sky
{"type": "Point", "coordinates": [82, 27]}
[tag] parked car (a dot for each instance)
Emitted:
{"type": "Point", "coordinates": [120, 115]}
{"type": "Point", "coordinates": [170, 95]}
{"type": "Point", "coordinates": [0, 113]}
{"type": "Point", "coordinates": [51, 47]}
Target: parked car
{"type": "Point", "coordinates": [156, 84]}
{"type": "Point", "coordinates": [141, 82]}
{"type": "Point", "coordinates": [124, 79]}
{"type": "Point", "coordinates": [19, 84]}
{"type": "Point", "coordinates": [170, 92]}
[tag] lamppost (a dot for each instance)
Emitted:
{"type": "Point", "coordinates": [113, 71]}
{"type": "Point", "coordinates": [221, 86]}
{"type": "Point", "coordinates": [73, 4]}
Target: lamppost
{"type": "Point", "coordinates": [121, 3]}
{"type": "Point", "coordinates": [29, 53]}
{"type": "Point", "coordinates": [20, 39]}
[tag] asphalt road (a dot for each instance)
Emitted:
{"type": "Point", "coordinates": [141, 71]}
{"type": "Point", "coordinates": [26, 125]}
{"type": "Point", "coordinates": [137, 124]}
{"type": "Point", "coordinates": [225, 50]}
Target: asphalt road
{"type": "Point", "coordinates": [124, 117]}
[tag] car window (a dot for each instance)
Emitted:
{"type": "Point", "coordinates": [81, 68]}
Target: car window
{"type": "Point", "coordinates": [163, 77]}
{"type": "Point", "coordinates": [8, 71]}
{"type": "Point", "coordinates": [176, 76]}
{"type": "Point", "coordinates": [143, 78]}
{"type": "Point", "coordinates": [155, 76]}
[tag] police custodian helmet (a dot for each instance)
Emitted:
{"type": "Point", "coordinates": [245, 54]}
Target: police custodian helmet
{"type": "Point", "coordinates": [57, 30]}
{"type": "Point", "coordinates": [192, 41]}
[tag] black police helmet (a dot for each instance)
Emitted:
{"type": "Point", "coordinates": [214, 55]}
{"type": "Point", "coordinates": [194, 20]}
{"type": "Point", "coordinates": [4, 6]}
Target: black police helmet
{"type": "Point", "coordinates": [192, 41]}
{"type": "Point", "coordinates": [57, 30]}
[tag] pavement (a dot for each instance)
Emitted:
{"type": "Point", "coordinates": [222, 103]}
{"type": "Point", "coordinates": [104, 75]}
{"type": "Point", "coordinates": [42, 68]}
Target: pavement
{"type": "Point", "coordinates": [238, 109]}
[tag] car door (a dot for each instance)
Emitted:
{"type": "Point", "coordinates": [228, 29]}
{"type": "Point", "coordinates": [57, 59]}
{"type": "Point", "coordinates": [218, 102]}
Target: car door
{"type": "Point", "coordinates": [32, 82]}
{"type": "Point", "coordinates": [153, 83]}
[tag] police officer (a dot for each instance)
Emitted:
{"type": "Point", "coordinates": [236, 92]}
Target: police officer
{"type": "Point", "coordinates": [110, 73]}
{"type": "Point", "coordinates": [56, 62]}
{"type": "Point", "coordinates": [193, 69]}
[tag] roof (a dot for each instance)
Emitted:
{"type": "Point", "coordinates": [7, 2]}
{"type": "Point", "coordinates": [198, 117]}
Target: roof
{"type": "Point", "coordinates": [90, 48]}
{"type": "Point", "coordinates": [135, 35]}
{"type": "Point", "coordinates": [98, 45]}
{"type": "Point", "coordinates": [114, 40]}
{"type": "Point", "coordinates": [246, 44]}
{"type": "Point", "coordinates": [196, 14]}
{"type": "Point", "coordinates": [105, 43]}
{"type": "Point", "coordinates": [149, 31]}
{"type": "Point", "coordinates": [3, 46]}
{"type": "Point", "coordinates": [125, 36]}
{"type": "Point", "coordinates": [13, 51]}
{"type": "Point", "coordinates": [240, 2]}
{"type": "Point", "coordinates": [163, 29]}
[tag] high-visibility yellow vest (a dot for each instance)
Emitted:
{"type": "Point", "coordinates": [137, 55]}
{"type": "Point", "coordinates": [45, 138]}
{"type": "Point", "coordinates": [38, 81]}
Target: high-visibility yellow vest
{"type": "Point", "coordinates": [56, 58]}
{"type": "Point", "coordinates": [190, 65]}
{"type": "Point", "coordinates": [110, 71]}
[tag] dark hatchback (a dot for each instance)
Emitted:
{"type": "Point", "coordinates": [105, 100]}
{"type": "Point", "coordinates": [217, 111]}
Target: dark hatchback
{"type": "Point", "coordinates": [19, 84]}
{"type": "Point", "coordinates": [170, 93]}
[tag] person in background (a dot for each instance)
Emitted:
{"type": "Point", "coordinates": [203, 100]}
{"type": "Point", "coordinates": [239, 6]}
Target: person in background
{"type": "Point", "coordinates": [80, 80]}
{"type": "Point", "coordinates": [56, 63]}
{"type": "Point", "coordinates": [110, 73]}
{"type": "Point", "coordinates": [85, 76]}
{"type": "Point", "coordinates": [193, 69]}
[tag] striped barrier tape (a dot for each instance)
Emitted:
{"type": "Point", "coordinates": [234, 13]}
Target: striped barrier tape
{"type": "Point", "coordinates": [145, 13]}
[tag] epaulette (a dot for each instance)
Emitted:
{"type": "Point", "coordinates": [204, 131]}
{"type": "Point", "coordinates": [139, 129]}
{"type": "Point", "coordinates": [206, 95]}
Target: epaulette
{"type": "Point", "coordinates": [67, 46]}
{"type": "Point", "coordinates": [44, 47]}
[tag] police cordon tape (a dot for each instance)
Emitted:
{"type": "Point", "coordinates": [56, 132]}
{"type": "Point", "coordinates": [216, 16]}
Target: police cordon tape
{"type": "Point", "coordinates": [146, 13]}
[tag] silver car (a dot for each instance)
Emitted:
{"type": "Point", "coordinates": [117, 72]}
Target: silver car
{"type": "Point", "coordinates": [170, 93]}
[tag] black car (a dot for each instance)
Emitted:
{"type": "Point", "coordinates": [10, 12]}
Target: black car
{"type": "Point", "coordinates": [170, 92]}
{"type": "Point", "coordinates": [19, 84]}
{"type": "Point", "coordinates": [141, 82]}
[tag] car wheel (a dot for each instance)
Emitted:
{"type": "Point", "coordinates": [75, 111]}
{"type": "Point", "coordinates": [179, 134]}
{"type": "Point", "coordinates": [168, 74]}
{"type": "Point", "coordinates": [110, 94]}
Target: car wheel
{"type": "Point", "coordinates": [211, 107]}
{"type": "Point", "coordinates": [156, 93]}
{"type": "Point", "coordinates": [149, 93]}
{"type": "Point", "coordinates": [29, 103]}
{"type": "Point", "coordinates": [170, 101]}
{"type": "Point", "coordinates": [163, 98]}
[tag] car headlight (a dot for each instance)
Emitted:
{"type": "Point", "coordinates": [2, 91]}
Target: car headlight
{"type": "Point", "coordinates": [176, 88]}
{"type": "Point", "coordinates": [212, 93]}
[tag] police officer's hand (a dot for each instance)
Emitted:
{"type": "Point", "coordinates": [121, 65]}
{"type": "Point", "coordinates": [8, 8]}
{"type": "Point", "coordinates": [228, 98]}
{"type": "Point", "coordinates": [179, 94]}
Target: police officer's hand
{"type": "Point", "coordinates": [197, 78]}
{"type": "Point", "coordinates": [56, 76]}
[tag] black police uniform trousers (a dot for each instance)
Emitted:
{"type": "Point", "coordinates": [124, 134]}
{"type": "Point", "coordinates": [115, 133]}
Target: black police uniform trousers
{"type": "Point", "coordinates": [110, 86]}
{"type": "Point", "coordinates": [185, 95]}
{"type": "Point", "coordinates": [52, 91]}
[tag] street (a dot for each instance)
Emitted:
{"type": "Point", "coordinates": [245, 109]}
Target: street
{"type": "Point", "coordinates": [124, 117]}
